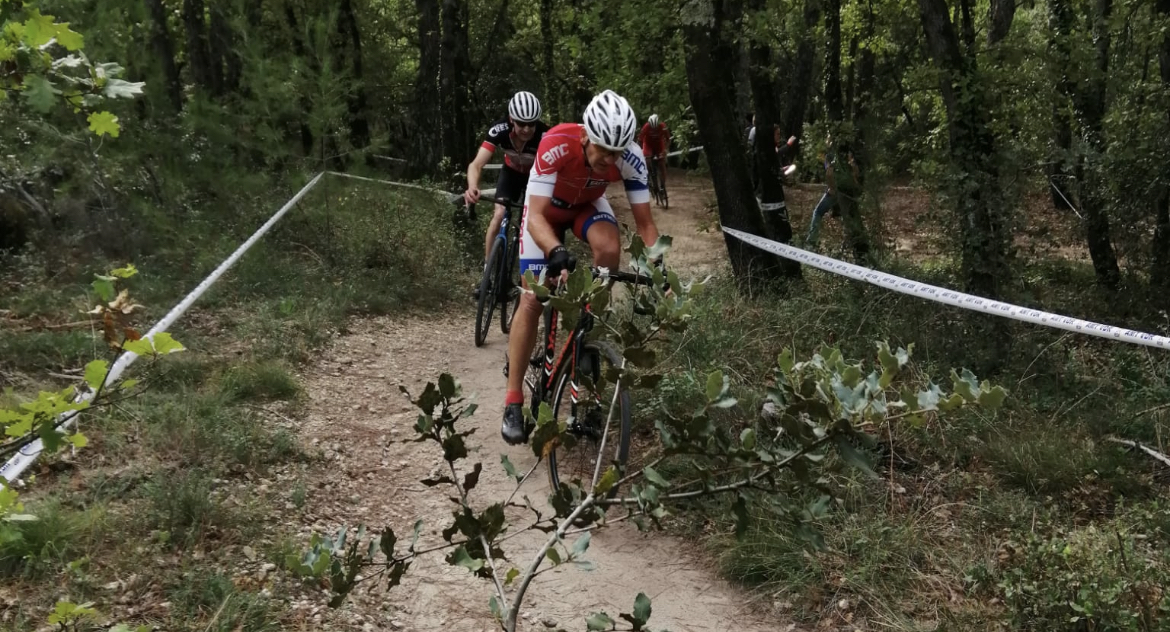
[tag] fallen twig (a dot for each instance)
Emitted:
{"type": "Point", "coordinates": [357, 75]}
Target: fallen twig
{"type": "Point", "coordinates": [1150, 451]}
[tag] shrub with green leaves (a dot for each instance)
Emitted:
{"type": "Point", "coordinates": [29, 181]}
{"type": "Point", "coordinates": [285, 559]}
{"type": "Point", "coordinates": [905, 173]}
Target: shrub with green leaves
{"type": "Point", "coordinates": [1090, 578]}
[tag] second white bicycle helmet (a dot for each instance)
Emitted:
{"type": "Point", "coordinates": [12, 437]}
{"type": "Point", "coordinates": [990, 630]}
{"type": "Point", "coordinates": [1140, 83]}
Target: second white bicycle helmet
{"type": "Point", "coordinates": [653, 120]}
{"type": "Point", "coordinates": [610, 121]}
{"type": "Point", "coordinates": [524, 107]}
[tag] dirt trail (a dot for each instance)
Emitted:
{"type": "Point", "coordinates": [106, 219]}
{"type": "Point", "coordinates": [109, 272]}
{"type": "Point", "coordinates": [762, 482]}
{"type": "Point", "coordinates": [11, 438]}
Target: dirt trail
{"type": "Point", "coordinates": [369, 464]}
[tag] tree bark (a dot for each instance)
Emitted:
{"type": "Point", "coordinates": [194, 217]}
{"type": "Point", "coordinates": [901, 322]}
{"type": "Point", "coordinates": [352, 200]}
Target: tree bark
{"type": "Point", "coordinates": [426, 131]}
{"type": "Point", "coordinates": [968, 26]}
{"type": "Point", "coordinates": [1160, 264]}
{"type": "Point", "coordinates": [802, 78]}
{"type": "Point", "coordinates": [219, 39]}
{"type": "Point", "coordinates": [551, 85]}
{"type": "Point", "coordinates": [198, 53]}
{"type": "Point", "coordinates": [1095, 198]}
{"type": "Point", "coordinates": [350, 46]}
{"type": "Point", "coordinates": [290, 18]}
{"type": "Point", "coordinates": [1087, 110]}
{"type": "Point", "coordinates": [851, 80]}
{"type": "Point", "coordinates": [833, 105]}
{"type": "Point", "coordinates": [709, 85]}
{"type": "Point", "coordinates": [1000, 20]}
{"type": "Point", "coordinates": [982, 226]}
{"type": "Point", "coordinates": [454, 92]}
{"type": "Point", "coordinates": [164, 50]}
{"type": "Point", "coordinates": [767, 109]}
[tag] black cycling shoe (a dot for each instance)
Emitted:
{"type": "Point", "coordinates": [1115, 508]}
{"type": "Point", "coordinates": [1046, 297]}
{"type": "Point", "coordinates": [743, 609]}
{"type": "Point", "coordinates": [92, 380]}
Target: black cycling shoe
{"type": "Point", "coordinates": [513, 429]}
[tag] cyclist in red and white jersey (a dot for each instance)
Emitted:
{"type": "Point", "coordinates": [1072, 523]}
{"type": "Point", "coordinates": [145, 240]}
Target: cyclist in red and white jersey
{"type": "Point", "coordinates": [518, 134]}
{"type": "Point", "coordinates": [575, 164]}
{"type": "Point", "coordinates": [655, 144]}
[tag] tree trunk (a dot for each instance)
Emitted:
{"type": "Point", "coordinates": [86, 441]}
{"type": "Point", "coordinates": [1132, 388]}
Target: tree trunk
{"type": "Point", "coordinates": [866, 63]}
{"type": "Point", "coordinates": [767, 108]}
{"type": "Point", "coordinates": [1000, 20]}
{"type": "Point", "coordinates": [802, 77]}
{"type": "Point", "coordinates": [1097, 229]}
{"type": "Point", "coordinates": [851, 80]}
{"type": "Point", "coordinates": [1160, 266]}
{"type": "Point", "coordinates": [350, 45]}
{"type": "Point", "coordinates": [1086, 110]}
{"type": "Point", "coordinates": [219, 39]}
{"type": "Point", "coordinates": [198, 53]}
{"type": "Point", "coordinates": [968, 26]}
{"type": "Point", "coordinates": [833, 106]}
{"type": "Point", "coordinates": [290, 18]}
{"type": "Point", "coordinates": [982, 226]}
{"type": "Point", "coordinates": [426, 131]}
{"type": "Point", "coordinates": [1060, 174]}
{"type": "Point", "coordinates": [709, 85]}
{"type": "Point", "coordinates": [551, 85]}
{"type": "Point", "coordinates": [454, 92]}
{"type": "Point", "coordinates": [164, 50]}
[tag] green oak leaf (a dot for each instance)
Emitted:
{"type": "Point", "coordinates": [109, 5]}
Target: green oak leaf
{"type": "Point", "coordinates": [104, 124]}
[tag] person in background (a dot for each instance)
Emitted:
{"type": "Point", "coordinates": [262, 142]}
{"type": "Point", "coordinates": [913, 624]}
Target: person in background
{"type": "Point", "coordinates": [518, 134]}
{"type": "Point", "coordinates": [828, 200]}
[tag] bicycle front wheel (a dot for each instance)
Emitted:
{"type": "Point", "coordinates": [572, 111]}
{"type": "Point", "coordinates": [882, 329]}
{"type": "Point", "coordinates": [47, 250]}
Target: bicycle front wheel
{"type": "Point", "coordinates": [487, 294]}
{"type": "Point", "coordinates": [588, 406]}
{"type": "Point", "coordinates": [510, 290]}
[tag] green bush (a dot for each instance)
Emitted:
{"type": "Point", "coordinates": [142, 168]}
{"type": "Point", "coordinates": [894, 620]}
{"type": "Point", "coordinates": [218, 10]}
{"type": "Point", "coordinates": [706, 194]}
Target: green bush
{"type": "Point", "coordinates": [1086, 579]}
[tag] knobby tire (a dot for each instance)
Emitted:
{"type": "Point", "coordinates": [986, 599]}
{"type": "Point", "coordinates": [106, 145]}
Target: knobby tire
{"type": "Point", "coordinates": [566, 464]}
{"type": "Point", "coordinates": [488, 294]}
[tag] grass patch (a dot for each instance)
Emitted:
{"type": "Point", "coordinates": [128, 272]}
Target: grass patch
{"type": "Point", "coordinates": [33, 549]}
{"type": "Point", "coordinates": [264, 380]}
{"type": "Point", "coordinates": [204, 594]}
{"type": "Point", "coordinates": [184, 508]}
{"type": "Point", "coordinates": [49, 350]}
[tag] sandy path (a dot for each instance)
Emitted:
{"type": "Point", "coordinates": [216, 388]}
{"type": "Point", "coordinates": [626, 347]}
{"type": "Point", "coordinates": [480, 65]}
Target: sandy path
{"type": "Point", "coordinates": [357, 415]}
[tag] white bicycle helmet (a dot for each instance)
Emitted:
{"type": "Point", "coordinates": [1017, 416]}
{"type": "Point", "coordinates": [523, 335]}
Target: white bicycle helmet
{"type": "Point", "coordinates": [653, 120]}
{"type": "Point", "coordinates": [610, 121]}
{"type": "Point", "coordinates": [524, 107]}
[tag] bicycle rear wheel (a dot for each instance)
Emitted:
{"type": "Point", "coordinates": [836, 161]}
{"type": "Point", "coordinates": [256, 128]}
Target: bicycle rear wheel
{"type": "Point", "coordinates": [587, 418]}
{"type": "Point", "coordinates": [488, 294]}
{"type": "Point", "coordinates": [652, 173]}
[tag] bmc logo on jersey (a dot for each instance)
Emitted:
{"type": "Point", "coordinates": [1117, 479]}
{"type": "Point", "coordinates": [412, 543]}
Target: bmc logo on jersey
{"type": "Point", "coordinates": [498, 129]}
{"type": "Point", "coordinates": [555, 154]}
{"type": "Point", "coordinates": [594, 182]}
{"type": "Point", "coordinates": [634, 162]}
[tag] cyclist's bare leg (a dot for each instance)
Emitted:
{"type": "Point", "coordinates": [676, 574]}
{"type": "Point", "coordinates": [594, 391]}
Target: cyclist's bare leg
{"type": "Point", "coordinates": [606, 243]}
{"type": "Point", "coordinates": [492, 231]}
{"type": "Point", "coordinates": [662, 169]}
{"type": "Point", "coordinates": [522, 339]}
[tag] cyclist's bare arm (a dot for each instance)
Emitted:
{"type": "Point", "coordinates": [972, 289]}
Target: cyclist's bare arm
{"type": "Point", "coordinates": [474, 170]}
{"type": "Point", "coordinates": [542, 232]}
{"type": "Point", "coordinates": [644, 222]}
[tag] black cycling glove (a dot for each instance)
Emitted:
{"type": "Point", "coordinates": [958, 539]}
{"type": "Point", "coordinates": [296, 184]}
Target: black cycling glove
{"type": "Point", "coordinates": [559, 259]}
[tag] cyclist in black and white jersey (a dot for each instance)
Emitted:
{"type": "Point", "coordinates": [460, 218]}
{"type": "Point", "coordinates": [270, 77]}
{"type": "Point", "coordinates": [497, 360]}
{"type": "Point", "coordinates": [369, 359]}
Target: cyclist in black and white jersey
{"type": "Point", "coordinates": [518, 134]}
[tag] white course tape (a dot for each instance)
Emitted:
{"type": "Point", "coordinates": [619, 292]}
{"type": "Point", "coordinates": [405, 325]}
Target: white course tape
{"type": "Point", "coordinates": [951, 297]}
{"type": "Point", "coordinates": [684, 151]}
{"type": "Point", "coordinates": [27, 455]}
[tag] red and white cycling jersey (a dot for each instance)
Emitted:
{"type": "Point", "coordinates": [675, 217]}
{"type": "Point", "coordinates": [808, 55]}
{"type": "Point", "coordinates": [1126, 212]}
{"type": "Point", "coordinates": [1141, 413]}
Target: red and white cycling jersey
{"type": "Point", "coordinates": [576, 191]}
{"type": "Point", "coordinates": [654, 139]}
{"type": "Point", "coordinates": [562, 174]}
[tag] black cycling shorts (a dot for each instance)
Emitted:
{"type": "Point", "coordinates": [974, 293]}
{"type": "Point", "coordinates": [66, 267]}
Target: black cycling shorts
{"type": "Point", "coordinates": [511, 184]}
